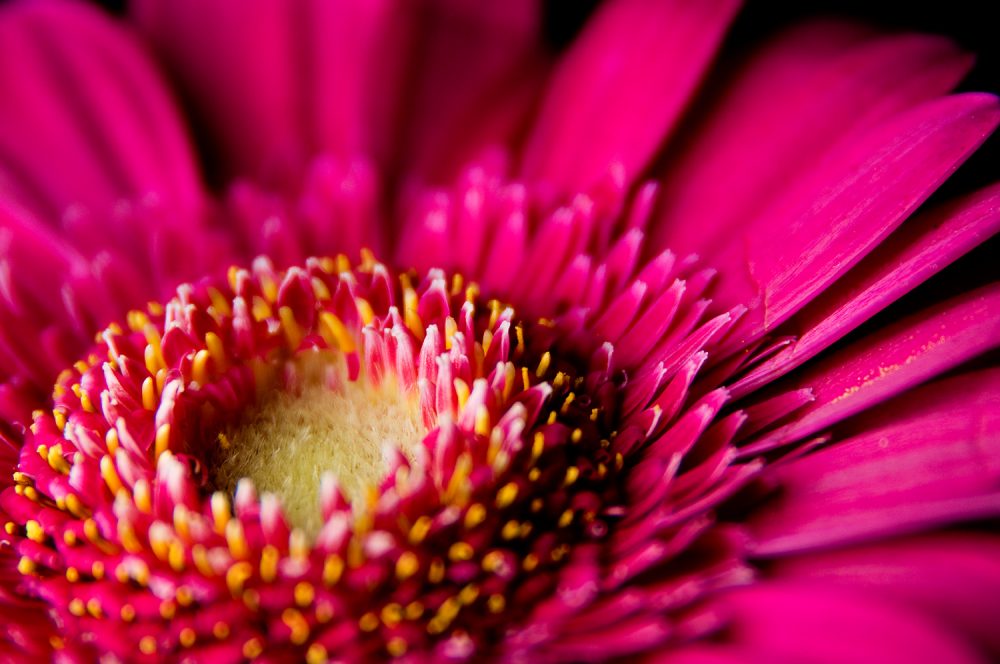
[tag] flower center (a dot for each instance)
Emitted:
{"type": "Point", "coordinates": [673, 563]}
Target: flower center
{"type": "Point", "coordinates": [415, 465]}
{"type": "Point", "coordinates": [319, 423]}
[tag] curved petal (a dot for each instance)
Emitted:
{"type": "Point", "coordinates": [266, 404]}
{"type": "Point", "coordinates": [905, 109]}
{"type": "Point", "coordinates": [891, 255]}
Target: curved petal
{"type": "Point", "coordinates": [885, 364]}
{"type": "Point", "coordinates": [930, 458]}
{"type": "Point", "coordinates": [923, 247]}
{"type": "Point", "coordinates": [845, 207]}
{"type": "Point", "coordinates": [276, 82]}
{"type": "Point", "coordinates": [953, 577]}
{"type": "Point", "coordinates": [52, 298]}
{"type": "Point", "coordinates": [811, 86]}
{"type": "Point", "coordinates": [91, 122]}
{"type": "Point", "coordinates": [481, 69]}
{"type": "Point", "coordinates": [621, 88]}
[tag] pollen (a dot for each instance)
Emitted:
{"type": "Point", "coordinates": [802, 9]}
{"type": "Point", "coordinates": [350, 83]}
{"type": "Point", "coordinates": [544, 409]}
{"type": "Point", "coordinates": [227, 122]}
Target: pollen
{"type": "Point", "coordinates": [328, 423]}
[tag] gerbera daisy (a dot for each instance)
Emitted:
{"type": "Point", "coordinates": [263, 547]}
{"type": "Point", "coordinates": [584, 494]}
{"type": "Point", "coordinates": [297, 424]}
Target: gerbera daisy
{"type": "Point", "coordinates": [441, 355]}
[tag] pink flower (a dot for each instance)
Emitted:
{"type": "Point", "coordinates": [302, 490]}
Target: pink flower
{"type": "Point", "coordinates": [578, 397]}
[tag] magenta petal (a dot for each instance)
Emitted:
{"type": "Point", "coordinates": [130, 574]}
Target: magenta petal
{"type": "Point", "coordinates": [769, 411]}
{"type": "Point", "coordinates": [349, 71]}
{"type": "Point", "coordinates": [37, 311]}
{"type": "Point", "coordinates": [926, 245]}
{"type": "Point", "coordinates": [221, 55]}
{"type": "Point", "coordinates": [481, 70]}
{"type": "Point", "coordinates": [619, 90]}
{"type": "Point", "coordinates": [300, 78]}
{"type": "Point", "coordinates": [786, 622]}
{"type": "Point", "coordinates": [614, 641]}
{"type": "Point", "coordinates": [933, 460]}
{"type": "Point", "coordinates": [893, 360]}
{"type": "Point", "coordinates": [35, 253]}
{"type": "Point", "coordinates": [708, 654]}
{"type": "Point", "coordinates": [584, 492]}
{"type": "Point", "coordinates": [784, 110]}
{"type": "Point", "coordinates": [953, 577]}
{"type": "Point", "coordinates": [91, 121]}
{"type": "Point", "coordinates": [845, 207]}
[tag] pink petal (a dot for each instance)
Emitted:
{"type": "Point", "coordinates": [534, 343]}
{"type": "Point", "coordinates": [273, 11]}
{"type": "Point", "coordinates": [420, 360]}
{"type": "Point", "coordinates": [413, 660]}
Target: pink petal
{"type": "Point", "coordinates": [481, 70]}
{"type": "Point", "coordinates": [614, 641]}
{"type": "Point", "coordinates": [953, 577]}
{"type": "Point", "coordinates": [299, 78]}
{"type": "Point", "coordinates": [769, 411]}
{"type": "Point", "coordinates": [845, 207]}
{"type": "Point", "coordinates": [335, 210]}
{"type": "Point", "coordinates": [621, 87]}
{"type": "Point", "coordinates": [706, 654]}
{"type": "Point", "coordinates": [91, 121]}
{"type": "Point", "coordinates": [893, 360]}
{"type": "Point", "coordinates": [51, 300]}
{"type": "Point", "coordinates": [931, 458]}
{"type": "Point", "coordinates": [926, 245]}
{"type": "Point", "coordinates": [786, 622]}
{"type": "Point", "coordinates": [811, 86]}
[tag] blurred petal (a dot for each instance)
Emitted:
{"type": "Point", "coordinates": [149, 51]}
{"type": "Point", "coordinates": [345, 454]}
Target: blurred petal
{"type": "Point", "coordinates": [810, 624]}
{"type": "Point", "coordinates": [787, 107]}
{"type": "Point", "coordinates": [953, 577]}
{"type": "Point", "coordinates": [481, 69]}
{"type": "Point", "coordinates": [49, 294]}
{"type": "Point", "coordinates": [277, 82]}
{"type": "Point", "coordinates": [619, 90]}
{"type": "Point", "coordinates": [91, 121]}
{"type": "Point", "coordinates": [708, 654]}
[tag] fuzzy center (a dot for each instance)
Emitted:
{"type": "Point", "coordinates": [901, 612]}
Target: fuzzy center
{"type": "Point", "coordinates": [321, 423]}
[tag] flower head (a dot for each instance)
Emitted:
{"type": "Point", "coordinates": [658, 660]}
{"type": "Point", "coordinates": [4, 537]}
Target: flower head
{"type": "Point", "coordinates": [445, 369]}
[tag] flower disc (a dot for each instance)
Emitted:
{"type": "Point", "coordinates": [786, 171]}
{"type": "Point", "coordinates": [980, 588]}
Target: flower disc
{"type": "Point", "coordinates": [431, 470]}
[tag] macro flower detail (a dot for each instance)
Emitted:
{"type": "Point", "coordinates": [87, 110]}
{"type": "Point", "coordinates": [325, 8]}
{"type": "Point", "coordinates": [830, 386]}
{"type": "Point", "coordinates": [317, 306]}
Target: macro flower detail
{"type": "Point", "coordinates": [452, 361]}
{"type": "Point", "coordinates": [137, 494]}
